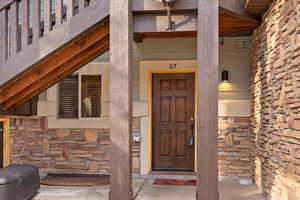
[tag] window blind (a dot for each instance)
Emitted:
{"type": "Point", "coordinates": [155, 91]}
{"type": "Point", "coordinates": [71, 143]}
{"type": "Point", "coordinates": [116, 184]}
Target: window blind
{"type": "Point", "coordinates": [68, 97]}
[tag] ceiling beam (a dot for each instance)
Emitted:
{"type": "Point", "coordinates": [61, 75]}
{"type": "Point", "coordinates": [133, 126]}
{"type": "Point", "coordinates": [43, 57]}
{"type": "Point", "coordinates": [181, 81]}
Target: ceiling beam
{"type": "Point", "coordinates": [150, 6]}
{"type": "Point", "coordinates": [143, 23]}
{"type": "Point", "coordinates": [233, 7]}
{"type": "Point", "coordinates": [185, 25]}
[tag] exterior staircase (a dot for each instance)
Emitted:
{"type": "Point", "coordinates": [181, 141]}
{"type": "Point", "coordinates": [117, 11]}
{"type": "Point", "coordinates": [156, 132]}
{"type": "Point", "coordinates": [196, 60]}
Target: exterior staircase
{"type": "Point", "coordinates": [43, 41]}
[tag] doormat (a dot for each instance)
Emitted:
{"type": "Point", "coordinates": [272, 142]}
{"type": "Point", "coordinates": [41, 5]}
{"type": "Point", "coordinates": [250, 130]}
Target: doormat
{"type": "Point", "coordinates": [80, 180]}
{"type": "Point", "coordinates": [175, 182]}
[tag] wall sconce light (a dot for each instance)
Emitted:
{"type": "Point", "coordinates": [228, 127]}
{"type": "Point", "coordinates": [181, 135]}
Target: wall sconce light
{"type": "Point", "coordinates": [225, 76]}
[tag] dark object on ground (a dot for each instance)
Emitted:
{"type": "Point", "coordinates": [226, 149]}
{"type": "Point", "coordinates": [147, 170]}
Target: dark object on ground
{"type": "Point", "coordinates": [82, 180]}
{"type": "Point", "coordinates": [175, 182]}
{"type": "Point", "coordinates": [19, 182]}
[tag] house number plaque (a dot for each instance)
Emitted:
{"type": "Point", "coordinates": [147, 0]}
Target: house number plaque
{"type": "Point", "coordinates": [172, 66]}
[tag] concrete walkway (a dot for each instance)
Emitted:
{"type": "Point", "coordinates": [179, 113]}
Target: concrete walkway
{"type": "Point", "coordinates": [145, 190]}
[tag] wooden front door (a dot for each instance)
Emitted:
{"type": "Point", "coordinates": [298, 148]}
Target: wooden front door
{"type": "Point", "coordinates": [1, 144]}
{"type": "Point", "coordinates": [173, 121]}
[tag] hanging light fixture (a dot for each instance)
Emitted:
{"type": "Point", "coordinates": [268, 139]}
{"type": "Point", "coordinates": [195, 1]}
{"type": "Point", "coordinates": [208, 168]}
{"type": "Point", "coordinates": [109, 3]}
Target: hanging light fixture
{"type": "Point", "coordinates": [225, 76]}
{"type": "Point", "coordinates": [167, 4]}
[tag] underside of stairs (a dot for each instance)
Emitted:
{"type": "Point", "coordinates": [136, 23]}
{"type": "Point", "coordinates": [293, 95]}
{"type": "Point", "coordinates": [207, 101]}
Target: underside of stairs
{"type": "Point", "coordinates": [41, 51]}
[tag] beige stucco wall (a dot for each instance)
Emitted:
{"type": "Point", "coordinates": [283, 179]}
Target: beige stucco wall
{"type": "Point", "coordinates": [234, 57]}
{"type": "Point", "coordinates": [155, 55]}
{"type": "Point", "coordinates": [233, 96]}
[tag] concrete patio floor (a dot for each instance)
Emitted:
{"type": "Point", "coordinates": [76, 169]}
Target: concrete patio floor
{"type": "Point", "coordinates": [145, 190]}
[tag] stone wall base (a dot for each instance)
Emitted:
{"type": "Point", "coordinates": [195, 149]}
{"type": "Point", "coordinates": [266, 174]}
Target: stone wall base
{"type": "Point", "coordinates": [88, 150]}
{"type": "Point", "coordinates": [64, 150]}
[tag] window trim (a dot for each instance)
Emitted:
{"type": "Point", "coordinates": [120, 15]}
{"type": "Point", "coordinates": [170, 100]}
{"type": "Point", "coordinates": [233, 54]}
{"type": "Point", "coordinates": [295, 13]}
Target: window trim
{"type": "Point", "coordinates": [80, 96]}
{"type": "Point", "coordinates": [80, 74]}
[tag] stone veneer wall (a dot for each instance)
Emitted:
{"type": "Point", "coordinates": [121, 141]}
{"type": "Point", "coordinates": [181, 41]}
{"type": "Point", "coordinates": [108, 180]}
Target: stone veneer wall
{"type": "Point", "coordinates": [87, 150]}
{"type": "Point", "coordinates": [234, 147]}
{"type": "Point", "coordinates": [275, 94]}
{"type": "Point", "coordinates": [64, 150]}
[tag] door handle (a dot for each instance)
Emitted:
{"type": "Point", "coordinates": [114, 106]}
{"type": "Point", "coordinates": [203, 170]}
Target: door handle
{"type": "Point", "coordinates": [191, 140]}
{"type": "Point", "coordinates": [192, 123]}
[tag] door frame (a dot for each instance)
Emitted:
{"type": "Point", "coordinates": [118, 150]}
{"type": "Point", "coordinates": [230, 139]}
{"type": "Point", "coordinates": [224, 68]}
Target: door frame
{"type": "Point", "coordinates": [6, 132]}
{"type": "Point", "coordinates": [151, 97]}
{"type": "Point", "coordinates": [150, 133]}
{"type": "Point", "coordinates": [143, 107]}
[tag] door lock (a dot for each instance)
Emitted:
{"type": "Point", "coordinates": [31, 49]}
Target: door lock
{"type": "Point", "coordinates": [191, 141]}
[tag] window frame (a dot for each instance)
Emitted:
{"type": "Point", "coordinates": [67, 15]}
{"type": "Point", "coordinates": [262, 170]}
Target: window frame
{"type": "Point", "coordinates": [80, 74]}
{"type": "Point", "coordinates": [58, 101]}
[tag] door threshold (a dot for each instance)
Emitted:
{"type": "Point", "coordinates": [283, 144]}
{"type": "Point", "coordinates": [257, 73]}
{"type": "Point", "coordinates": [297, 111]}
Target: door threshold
{"type": "Point", "coordinates": [157, 172]}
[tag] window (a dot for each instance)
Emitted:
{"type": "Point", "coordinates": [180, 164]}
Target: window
{"type": "Point", "coordinates": [68, 97]}
{"type": "Point", "coordinates": [79, 96]}
{"type": "Point", "coordinates": [90, 96]}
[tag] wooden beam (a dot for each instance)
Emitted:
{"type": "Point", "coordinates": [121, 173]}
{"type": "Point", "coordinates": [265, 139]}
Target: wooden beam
{"type": "Point", "coordinates": [155, 25]}
{"type": "Point", "coordinates": [52, 62]}
{"type": "Point", "coordinates": [233, 7]}
{"type": "Point", "coordinates": [54, 40]}
{"type": "Point", "coordinates": [65, 69]}
{"type": "Point", "coordinates": [121, 51]}
{"type": "Point", "coordinates": [207, 106]}
{"type": "Point", "coordinates": [155, 6]}
{"type": "Point", "coordinates": [143, 23]}
{"type": "Point", "coordinates": [139, 37]}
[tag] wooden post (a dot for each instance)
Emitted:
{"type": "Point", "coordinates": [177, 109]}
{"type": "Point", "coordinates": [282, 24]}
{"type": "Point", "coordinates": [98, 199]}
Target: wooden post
{"type": "Point", "coordinates": [207, 107]}
{"type": "Point", "coordinates": [121, 49]}
{"type": "Point", "coordinates": [14, 7]}
{"type": "Point", "coordinates": [25, 23]}
{"type": "Point", "coordinates": [36, 22]}
{"type": "Point", "coordinates": [81, 5]}
{"type": "Point", "coordinates": [3, 35]}
{"type": "Point", "coordinates": [47, 16]}
{"type": "Point", "coordinates": [58, 12]}
{"type": "Point", "coordinates": [70, 12]}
